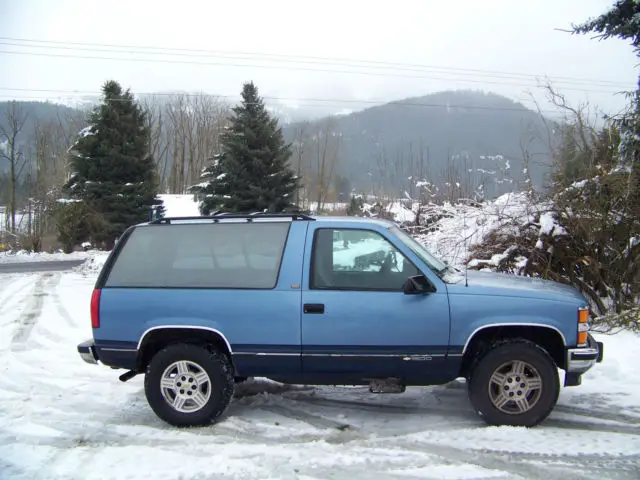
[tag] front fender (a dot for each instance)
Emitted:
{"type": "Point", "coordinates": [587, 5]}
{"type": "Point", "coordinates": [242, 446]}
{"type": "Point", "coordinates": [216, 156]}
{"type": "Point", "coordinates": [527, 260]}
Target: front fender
{"type": "Point", "coordinates": [470, 314]}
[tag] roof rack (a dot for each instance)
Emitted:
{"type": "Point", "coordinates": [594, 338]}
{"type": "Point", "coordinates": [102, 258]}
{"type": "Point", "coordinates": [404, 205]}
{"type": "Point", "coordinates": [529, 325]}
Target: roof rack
{"type": "Point", "coordinates": [216, 216]}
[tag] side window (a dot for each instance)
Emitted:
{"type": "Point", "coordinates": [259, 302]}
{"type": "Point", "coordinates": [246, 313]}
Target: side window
{"type": "Point", "coordinates": [357, 260]}
{"type": "Point", "coordinates": [225, 255]}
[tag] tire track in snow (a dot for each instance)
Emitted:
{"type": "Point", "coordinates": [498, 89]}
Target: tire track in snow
{"type": "Point", "coordinates": [9, 296]}
{"type": "Point", "coordinates": [32, 312]}
{"type": "Point", "coordinates": [601, 414]}
{"type": "Point", "coordinates": [619, 466]}
{"type": "Point", "coordinates": [457, 411]}
{"type": "Point", "coordinates": [463, 413]}
{"type": "Point", "coordinates": [490, 461]}
{"type": "Point", "coordinates": [62, 311]}
{"type": "Point", "coordinates": [316, 421]}
{"type": "Point", "coordinates": [590, 426]}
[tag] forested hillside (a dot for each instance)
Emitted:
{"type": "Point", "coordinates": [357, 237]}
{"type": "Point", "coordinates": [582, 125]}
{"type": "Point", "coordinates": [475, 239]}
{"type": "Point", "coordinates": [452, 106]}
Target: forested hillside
{"type": "Point", "coordinates": [473, 139]}
{"type": "Point", "coordinates": [445, 145]}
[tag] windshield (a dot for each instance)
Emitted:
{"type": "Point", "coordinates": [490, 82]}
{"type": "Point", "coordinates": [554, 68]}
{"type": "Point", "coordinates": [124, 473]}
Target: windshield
{"type": "Point", "coordinates": [436, 265]}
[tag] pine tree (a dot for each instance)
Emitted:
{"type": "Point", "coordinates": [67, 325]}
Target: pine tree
{"type": "Point", "coordinates": [113, 172]}
{"type": "Point", "coordinates": [251, 174]}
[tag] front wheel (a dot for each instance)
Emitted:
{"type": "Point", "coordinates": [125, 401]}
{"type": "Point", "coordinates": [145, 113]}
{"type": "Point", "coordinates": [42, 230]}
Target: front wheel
{"type": "Point", "coordinates": [514, 383]}
{"type": "Point", "coordinates": [188, 385]}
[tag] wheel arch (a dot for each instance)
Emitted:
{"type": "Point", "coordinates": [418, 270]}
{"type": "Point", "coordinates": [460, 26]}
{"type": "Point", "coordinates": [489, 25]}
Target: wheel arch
{"type": "Point", "coordinates": [546, 336]}
{"type": "Point", "coordinates": [156, 338]}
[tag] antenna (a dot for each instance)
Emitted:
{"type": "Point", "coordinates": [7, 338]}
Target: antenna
{"type": "Point", "coordinates": [466, 254]}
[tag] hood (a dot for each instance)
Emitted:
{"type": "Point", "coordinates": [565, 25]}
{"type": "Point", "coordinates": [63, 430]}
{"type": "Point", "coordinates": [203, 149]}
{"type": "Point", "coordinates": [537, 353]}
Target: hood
{"type": "Point", "coordinates": [498, 284]}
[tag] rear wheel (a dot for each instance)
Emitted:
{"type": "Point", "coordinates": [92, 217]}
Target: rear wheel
{"type": "Point", "coordinates": [514, 383]}
{"type": "Point", "coordinates": [189, 385]}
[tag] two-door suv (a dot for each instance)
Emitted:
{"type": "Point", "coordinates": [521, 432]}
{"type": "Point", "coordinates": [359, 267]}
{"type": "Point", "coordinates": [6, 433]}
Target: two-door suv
{"type": "Point", "coordinates": [200, 303]}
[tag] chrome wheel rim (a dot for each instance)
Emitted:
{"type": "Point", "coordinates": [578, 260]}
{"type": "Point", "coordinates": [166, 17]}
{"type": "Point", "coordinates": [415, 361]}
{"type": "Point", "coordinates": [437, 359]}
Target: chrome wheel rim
{"type": "Point", "coordinates": [185, 386]}
{"type": "Point", "coordinates": [515, 387]}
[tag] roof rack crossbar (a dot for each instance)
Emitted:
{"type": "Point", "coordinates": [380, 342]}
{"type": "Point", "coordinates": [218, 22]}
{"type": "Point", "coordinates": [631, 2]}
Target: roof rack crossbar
{"type": "Point", "coordinates": [221, 215]}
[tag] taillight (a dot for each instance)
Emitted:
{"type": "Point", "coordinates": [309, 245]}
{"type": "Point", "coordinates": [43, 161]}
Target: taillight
{"type": "Point", "coordinates": [95, 308]}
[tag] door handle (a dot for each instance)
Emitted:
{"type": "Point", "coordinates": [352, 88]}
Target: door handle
{"type": "Point", "coordinates": [313, 308]}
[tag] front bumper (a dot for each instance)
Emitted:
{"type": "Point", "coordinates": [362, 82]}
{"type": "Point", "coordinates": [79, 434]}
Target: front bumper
{"type": "Point", "coordinates": [87, 351]}
{"type": "Point", "coordinates": [579, 360]}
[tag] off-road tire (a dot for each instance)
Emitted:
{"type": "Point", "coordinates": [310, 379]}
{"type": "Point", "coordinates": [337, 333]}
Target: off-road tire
{"type": "Point", "coordinates": [214, 363]}
{"type": "Point", "coordinates": [507, 351]}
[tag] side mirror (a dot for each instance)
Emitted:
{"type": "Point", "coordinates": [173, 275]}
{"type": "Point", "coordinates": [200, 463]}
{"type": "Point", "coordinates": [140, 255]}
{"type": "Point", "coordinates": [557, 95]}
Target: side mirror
{"type": "Point", "coordinates": [417, 285]}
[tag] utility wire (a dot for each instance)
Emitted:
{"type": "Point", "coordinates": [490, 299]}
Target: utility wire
{"type": "Point", "coordinates": [293, 68]}
{"type": "Point", "coordinates": [298, 58]}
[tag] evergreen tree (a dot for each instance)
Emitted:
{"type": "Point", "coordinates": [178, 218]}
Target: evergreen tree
{"type": "Point", "coordinates": [113, 172]}
{"type": "Point", "coordinates": [251, 174]}
{"type": "Point", "coordinates": [622, 21]}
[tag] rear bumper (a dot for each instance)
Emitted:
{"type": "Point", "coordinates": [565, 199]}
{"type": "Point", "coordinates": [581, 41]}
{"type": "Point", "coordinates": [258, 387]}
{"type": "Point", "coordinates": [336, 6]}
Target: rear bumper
{"type": "Point", "coordinates": [87, 351]}
{"type": "Point", "coordinates": [579, 360]}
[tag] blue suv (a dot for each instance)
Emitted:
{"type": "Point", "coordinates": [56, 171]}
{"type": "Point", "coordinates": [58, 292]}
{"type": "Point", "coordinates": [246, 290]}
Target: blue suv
{"type": "Point", "coordinates": [198, 304]}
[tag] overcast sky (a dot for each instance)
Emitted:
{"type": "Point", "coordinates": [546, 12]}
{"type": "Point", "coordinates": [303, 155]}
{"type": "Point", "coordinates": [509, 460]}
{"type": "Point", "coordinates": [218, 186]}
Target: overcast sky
{"type": "Point", "coordinates": [444, 40]}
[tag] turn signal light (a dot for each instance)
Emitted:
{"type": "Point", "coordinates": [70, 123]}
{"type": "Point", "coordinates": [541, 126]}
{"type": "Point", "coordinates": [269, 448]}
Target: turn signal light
{"type": "Point", "coordinates": [583, 315]}
{"type": "Point", "coordinates": [582, 338]}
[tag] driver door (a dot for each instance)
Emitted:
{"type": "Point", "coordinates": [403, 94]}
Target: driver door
{"type": "Point", "coordinates": [356, 319]}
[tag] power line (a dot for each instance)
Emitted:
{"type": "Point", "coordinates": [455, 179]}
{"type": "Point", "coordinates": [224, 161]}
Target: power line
{"type": "Point", "coordinates": [308, 59]}
{"type": "Point", "coordinates": [185, 62]}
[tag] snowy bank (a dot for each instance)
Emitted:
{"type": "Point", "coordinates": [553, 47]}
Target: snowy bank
{"type": "Point", "coordinates": [24, 256]}
{"type": "Point", "coordinates": [93, 264]}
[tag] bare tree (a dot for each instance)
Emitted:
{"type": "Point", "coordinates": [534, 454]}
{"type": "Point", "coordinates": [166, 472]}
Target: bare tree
{"type": "Point", "coordinates": [154, 108]}
{"type": "Point", "coordinates": [299, 144]}
{"type": "Point", "coordinates": [326, 143]}
{"type": "Point", "coordinates": [14, 121]}
{"type": "Point", "coordinates": [185, 132]}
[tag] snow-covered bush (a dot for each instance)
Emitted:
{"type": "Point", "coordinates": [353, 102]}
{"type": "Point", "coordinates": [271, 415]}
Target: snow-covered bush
{"type": "Point", "coordinates": [586, 233]}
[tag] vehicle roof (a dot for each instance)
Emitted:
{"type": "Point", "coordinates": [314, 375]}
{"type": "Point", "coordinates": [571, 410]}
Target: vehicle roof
{"type": "Point", "coordinates": [317, 218]}
{"type": "Point", "coordinates": [365, 220]}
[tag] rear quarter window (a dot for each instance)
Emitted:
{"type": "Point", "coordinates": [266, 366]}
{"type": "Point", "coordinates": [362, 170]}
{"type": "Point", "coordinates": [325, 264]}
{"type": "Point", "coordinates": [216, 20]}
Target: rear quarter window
{"type": "Point", "coordinates": [224, 255]}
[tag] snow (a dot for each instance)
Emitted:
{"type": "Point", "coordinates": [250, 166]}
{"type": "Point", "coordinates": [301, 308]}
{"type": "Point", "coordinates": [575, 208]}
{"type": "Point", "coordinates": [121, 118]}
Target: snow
{"type": "Point", "coordinates": [22, 256]}
{"type": "Point", "coordinates": [22, 219]}
{"type": "Point", "coordinates": [549, 225]}
{"type": "Point", "coordinates": [67, 419]}
{"type": "Point", "coordinates": [177, 205]}
{"type": "Point", "coordinates": [401, 214]}
{"type": "Point", "coordinates": [86, 131]}
{"type": "Point", "coordinates": [328, 206]}
{"type": "Point", "coordinates": [93, 264]}
{"type": "Point", "coordinates": [580, 184]}
{"type": "Point", "coordinates": [462, 225]}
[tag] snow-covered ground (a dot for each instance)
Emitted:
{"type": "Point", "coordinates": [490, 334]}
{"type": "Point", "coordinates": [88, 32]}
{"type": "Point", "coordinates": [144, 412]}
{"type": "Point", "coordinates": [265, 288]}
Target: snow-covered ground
{"type": "Point", "coordinates": [24, 256]}
{"type": "Point", "coordinates": [63, 419]}
{"type": "Point", "coordinates": [21, 219]}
